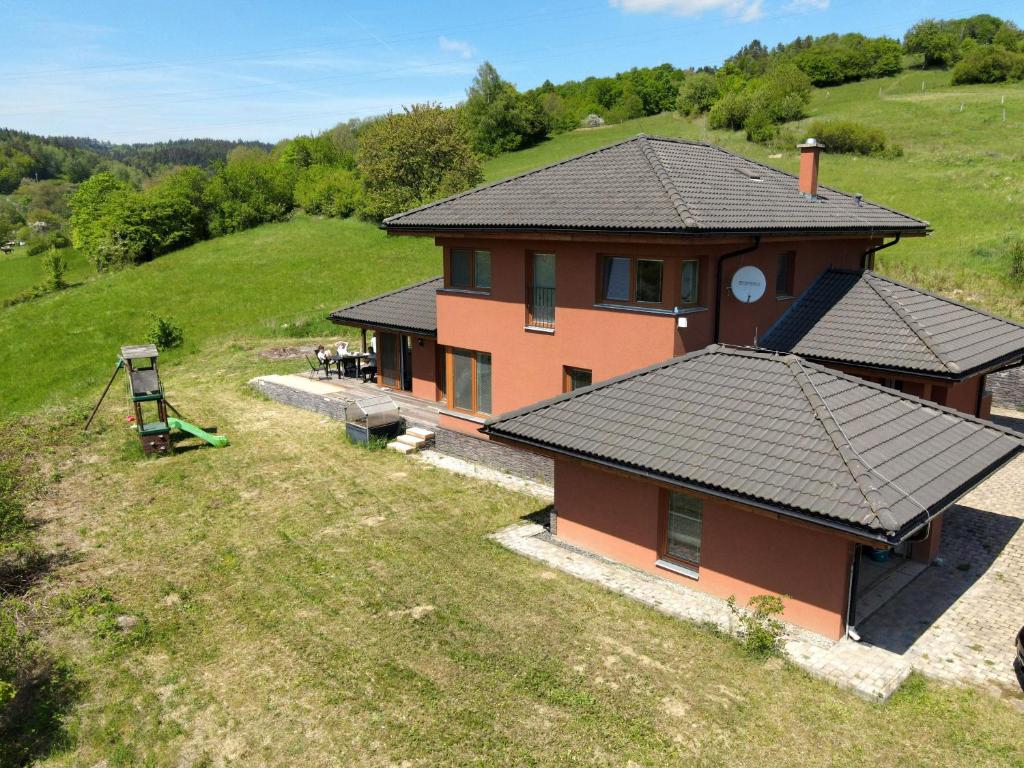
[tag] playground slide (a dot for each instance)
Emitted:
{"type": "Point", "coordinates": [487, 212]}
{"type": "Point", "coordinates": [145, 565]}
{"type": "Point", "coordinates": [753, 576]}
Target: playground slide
{"type": "Point", "coordinates": [217, 441]}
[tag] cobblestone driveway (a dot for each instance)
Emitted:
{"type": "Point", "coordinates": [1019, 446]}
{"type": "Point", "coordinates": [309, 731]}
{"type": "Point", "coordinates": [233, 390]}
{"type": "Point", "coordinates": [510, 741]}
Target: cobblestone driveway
{"type": "Point", "coordinates": [957, 621]}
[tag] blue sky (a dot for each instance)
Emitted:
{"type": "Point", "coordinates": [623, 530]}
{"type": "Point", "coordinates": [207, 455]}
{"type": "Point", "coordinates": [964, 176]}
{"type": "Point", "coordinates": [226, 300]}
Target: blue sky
{"type": "Point", "coordinates": [146, 71]}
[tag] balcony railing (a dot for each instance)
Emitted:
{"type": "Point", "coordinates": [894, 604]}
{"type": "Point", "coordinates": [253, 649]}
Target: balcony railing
{"type": "Point", "coordinates": [542, 307]}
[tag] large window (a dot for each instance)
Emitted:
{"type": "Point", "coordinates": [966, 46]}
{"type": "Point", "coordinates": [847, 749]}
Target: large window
{"type": "Point", "coordinates": [625, 279]}
{"type": "Point", "coordinates": [469, 381]}
{"type": "Point", "coordinates": [684, 528]}
{"type": "Point", "coordinates": [689, 292]}
{"type": "Point", "coordinates": [540, 291]}
{"type": "Point", "coordinates": [784, 275]}
{"type": "Point", "coordinates": [470, 270]}
{"type": "Point", "coordinates": [576, 378]}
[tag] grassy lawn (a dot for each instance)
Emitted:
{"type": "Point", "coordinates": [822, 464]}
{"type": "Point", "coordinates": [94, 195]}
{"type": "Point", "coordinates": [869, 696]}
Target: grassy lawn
{"type": "Point", "coordinates": [304, 602]}
{"type": "Point", "coordinates": [19, 272]}
{"type": "Point", "coordinates": [961, 171]}
{"type": "Point", "coordinates": [262, 282]}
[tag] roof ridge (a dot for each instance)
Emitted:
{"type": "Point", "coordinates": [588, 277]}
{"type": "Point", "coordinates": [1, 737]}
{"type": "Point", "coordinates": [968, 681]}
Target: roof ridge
{"type": "Point", "coordinates": [857, 468]}
{"type": "Point", "coordinates": [516, 177]}
{"type": "Point", "coordinates": [388, 293]}
{"type": "Point", "coordinates": [682, 210]}
{"type": "Point", "coordinates": [931, 294]}
{"type": "Point", "coordinates": [911, 322]}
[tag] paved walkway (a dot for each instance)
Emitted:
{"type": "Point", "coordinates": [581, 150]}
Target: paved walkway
{"type": "Point", "coordinates": [870, 672]}
{"type": "Point", "coordinates": [956, 621]}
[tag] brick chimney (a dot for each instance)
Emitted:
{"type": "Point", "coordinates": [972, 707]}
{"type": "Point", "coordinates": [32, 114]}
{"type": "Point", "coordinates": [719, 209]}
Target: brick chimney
{"type": "Point", "coordinates": [810, 150]}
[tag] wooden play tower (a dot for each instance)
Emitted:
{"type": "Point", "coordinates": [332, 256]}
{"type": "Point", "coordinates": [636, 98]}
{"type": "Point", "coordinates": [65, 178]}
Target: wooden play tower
{"type": "Point", "coordinates": [147, 397]}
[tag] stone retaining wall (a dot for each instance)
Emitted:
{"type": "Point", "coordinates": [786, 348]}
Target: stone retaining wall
{"type": "Point", "coordinates": [467, 447]}
{"type": "Point", "coordinates": [1007, 388]}
{"type": "Point", "coordinates": [490, 454]}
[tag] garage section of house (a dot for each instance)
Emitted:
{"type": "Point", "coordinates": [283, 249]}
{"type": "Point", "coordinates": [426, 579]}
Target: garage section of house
{"type": "Point", "coordinates": [404, 325]}
{"type": "Point", "coordinates": [904, 337]}
{"type": "Point", "coordinates": [743, 472]}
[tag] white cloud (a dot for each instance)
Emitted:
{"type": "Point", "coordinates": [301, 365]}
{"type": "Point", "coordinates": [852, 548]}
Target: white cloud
{"type": "Point", "coordinates": [807, 5]}
{"type": "Point", "coordinates": [461, 47]}
{"type": "Point", "coordinates": [744, 10]}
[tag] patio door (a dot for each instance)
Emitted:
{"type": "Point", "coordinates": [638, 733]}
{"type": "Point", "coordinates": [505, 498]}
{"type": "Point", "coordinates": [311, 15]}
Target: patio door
{"type": "Point", "coordinates": [389, 360]}
{"type": "Point", "coordinates": [394, 361]}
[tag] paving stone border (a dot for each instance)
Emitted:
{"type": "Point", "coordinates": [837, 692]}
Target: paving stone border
{"type": "Point", "coordinates": [868, 671]}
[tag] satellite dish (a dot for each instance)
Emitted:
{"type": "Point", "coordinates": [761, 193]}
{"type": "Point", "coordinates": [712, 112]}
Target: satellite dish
{"type": "Point", "coordinates": [748, 284]}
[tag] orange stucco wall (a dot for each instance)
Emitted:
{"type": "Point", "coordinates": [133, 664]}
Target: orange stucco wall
{"type": "Point", "coordinates": [743, 553]}
{"type": "Point", "coordinates": [527, 365]}
{"type": "Point", "coordinates": [424, 365]}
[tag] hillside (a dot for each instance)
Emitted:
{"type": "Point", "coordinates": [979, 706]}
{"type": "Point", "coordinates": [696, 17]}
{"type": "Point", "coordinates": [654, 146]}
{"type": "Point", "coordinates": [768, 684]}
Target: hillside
{"type": "Point", "coordinates": [962, 171]}
{"type": "Point", "coordinates": [276, 280]}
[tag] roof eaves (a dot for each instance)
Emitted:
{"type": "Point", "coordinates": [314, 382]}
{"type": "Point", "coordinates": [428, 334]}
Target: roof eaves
{"type": "Point", "coordinates": [384, 295]}
{"type": "Point", "coordinates": [682, 210]}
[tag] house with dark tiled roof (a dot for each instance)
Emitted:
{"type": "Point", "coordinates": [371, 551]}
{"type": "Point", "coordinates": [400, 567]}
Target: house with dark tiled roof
{"type": "Point", "coordinates": [619, 266]}
{"type": "Point", "coordinates": [619, 258]}
{"type": "Point", "coordinates": [904, 337]}
{"type": "Point", "coordinates": [743, 472]}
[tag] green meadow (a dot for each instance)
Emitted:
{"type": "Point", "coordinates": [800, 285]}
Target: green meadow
{"type": "Point", "coordinates": [961, 171]}
{"type": "Point", "coordinates": [276, 280]}
{"type": "Point", "coordinates": [293, 599]}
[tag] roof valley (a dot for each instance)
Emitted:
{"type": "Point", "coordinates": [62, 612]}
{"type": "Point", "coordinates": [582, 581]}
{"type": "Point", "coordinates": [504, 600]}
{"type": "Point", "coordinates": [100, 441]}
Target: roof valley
{"type": "Point", "coordinates": [858, 468]}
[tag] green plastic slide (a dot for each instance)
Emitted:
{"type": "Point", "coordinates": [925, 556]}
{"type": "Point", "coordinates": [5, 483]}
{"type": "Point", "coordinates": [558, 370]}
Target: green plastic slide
{"type": "Point", "coordinates": [217, 441]}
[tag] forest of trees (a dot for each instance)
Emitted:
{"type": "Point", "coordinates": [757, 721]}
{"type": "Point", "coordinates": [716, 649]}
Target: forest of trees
{"type": "Point", "coordinates": [129, 203]}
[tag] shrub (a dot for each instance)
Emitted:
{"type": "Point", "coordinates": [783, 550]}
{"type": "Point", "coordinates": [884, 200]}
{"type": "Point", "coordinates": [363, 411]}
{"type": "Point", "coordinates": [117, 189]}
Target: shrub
{"type": "Point", "coordinates": [1017, 261]}
{"type": "Point", "coordinates": [988, 64]}
{"type": "Point", "coordinates": [56, 267]}
{"type": "Point", "coordinates": [730, 112]}
{"type": "Point", "coordinates": [410, 159]}
{"type": "Point", "coordinates": [760, 127]}
{"type": "Point", "coordinates": [762, 631]}
{"type": "Point", "coordinates": [848, 137]}
{"type": "Point", "coordinates": [328, 190]}
{"type": "Point", "coordinates": [698, 94]}
{"type": "Point", "coordinates": [251, 188]}
{"type": "Point", "coordinates": [164, 333]}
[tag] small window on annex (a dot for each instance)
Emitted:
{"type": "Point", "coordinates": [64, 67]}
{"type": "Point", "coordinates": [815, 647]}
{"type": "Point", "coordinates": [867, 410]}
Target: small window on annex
{"type": "Point", "coordinates": [683, 532]}
{"type": "Point", "coordinates": [576, 378]}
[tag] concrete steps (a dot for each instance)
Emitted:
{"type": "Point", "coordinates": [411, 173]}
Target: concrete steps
{"type": "Point", "coordinates": [413, 440]}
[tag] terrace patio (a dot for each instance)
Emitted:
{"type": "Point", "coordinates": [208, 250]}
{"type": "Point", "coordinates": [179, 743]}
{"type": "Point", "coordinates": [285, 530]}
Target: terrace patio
{"type": "Point", "coordinates": [330, 395]}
